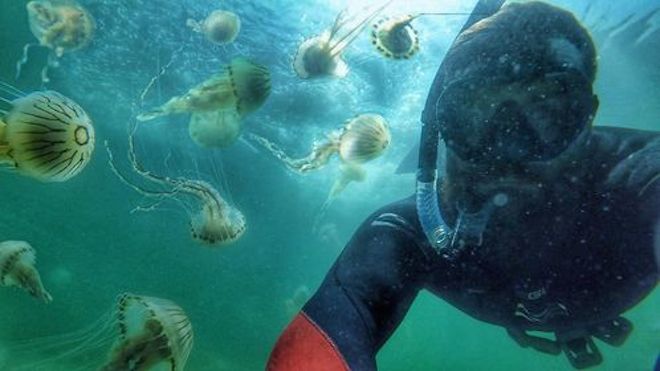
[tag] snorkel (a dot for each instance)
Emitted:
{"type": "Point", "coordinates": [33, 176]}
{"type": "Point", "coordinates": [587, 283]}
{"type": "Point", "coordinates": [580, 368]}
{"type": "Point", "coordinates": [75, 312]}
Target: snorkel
{"type": "Point", "coordinates": [437, 231]}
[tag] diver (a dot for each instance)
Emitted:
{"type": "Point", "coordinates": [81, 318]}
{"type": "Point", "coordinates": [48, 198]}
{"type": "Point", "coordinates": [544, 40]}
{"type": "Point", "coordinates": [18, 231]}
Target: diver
{"type": "Point", "coordinates": [543, 222]}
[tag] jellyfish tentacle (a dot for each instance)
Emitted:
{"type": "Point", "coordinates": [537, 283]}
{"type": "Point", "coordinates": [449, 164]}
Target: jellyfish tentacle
{"type": "Point", "coordinates": [214, 93]}
{"type": "Point", "coordinates": [420, 14]}
{"type": "Point", "coordinates": [339, 22]}
{"type": "Point", "coordinates": [319, 156]}
{"type": "Point", "coordinates": [337, 46]}
{"type": "Point", "coordinates": [215, 222]}
{"type": "Point", "coordinates": [28, 277]}
{"type": "Point", "coordinates": [11, 90]}
{"type": "Point", "coordinates": [24, 59]}
{"type": "Point", "coordinates": [142, 190]}
{"type": "Point", "coordinates": [195, 25]}
{"type": "Point", "coordinates": [348, 173]}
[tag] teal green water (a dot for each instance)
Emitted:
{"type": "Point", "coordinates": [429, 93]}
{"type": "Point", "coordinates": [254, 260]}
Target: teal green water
{"type": "Point", "coordinates": [91, 247]}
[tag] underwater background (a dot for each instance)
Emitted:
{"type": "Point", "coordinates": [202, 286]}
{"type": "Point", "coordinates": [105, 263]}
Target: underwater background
{"type": "Point", "coordinates": [91, 246]}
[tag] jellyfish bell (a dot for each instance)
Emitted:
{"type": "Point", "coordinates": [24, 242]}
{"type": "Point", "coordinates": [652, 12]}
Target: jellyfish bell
{"type": "Point", "coordinates": [395, 37]}
{"type": "Point", "coordinates": [364, 138]}
{"type": "Point", "coordinates": [252, 84]}
{"type": "Point", "coordinates": [242, 85]}
{"type": "Point", "coordinates": [320, 56]}
{"type": "Point", "coordinates": [138, 333]}
{"type": "Point", "coordinates": [17, 268]}
{"type": "Point", "coordinates": [60, 25]}
{"type": "Point", "coordinates": [46, 136]}
{"type": "Point", "coordinates": [154, 334]}
{"type": "Point", "coordinates": [215, 129]}
{"type": "Point", "coordinates": [314, 58]}
{"type": "Point", "coordinates": [218, 224]}
{"type": "Point", "coordinates": [220, 27]}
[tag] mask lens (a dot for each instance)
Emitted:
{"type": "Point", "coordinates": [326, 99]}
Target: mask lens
{"type": "Point", "coordinates": [517, 121]}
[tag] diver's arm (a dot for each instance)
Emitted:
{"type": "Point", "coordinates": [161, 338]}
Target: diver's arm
{"type": "Point", "coordinates": [362, 300]}
{"type": "Point", "coordinates": [636, 181]}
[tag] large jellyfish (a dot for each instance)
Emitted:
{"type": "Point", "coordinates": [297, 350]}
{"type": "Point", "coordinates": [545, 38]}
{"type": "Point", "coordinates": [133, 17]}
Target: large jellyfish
{"type": "Point", "coordinates": [241, 85]}
{"type": "Point", "coordinates": [139, 333]}
{"type": "Point", "coordinates": [215, 223]}
{"type": "Point", "coordinates": [220, 27]}
{"type": "Point", "coordinates": [320, 56]}
{"type": "Point", "coordinates": [60, 25]}
{"type": "Point", "coordinates": [395, 37]}
{"type": "Point", "coordinates": [17, 260]}
{"type": "Point", "coordinates": [44, 135]}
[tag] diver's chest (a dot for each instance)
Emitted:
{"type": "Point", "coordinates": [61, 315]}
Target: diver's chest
{"type": "Point", "coordinates": [541, 289]}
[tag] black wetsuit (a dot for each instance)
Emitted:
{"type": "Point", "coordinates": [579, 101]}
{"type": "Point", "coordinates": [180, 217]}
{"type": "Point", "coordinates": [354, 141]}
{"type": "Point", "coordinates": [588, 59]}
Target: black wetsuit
{"type": "Point", "coordinates": [594, 258]}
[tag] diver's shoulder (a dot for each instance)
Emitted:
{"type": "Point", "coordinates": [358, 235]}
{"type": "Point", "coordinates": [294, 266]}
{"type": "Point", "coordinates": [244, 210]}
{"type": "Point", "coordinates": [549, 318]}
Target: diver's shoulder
{"type": "Point", "coordinates": [619, 140]}
{"type": "Point", "coordinates": [630, 158]}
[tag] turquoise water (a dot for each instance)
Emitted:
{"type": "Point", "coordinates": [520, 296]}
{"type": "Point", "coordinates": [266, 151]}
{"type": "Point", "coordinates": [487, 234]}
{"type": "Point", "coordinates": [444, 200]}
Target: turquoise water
{"type": "Point", "coordinates": [91, 246]}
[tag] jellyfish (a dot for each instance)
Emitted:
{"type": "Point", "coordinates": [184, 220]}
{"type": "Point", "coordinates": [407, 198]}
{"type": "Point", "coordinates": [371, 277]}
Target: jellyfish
{"type": "Point", "coordinates": [215, 223]}
{"type": "Point", "coordinates": [138, 333]}
{"type": "Point", "coordinates": [60, 25]}
{"type": "Point", "coordinates": [220, 27]}
{"type": "Point", "coordinates": [361, 139]}
{"type": "Point", "coordinates": [17, 260]}
{"type": "Point", "coordinates": [153, 333]}
{"type": "Point", "coordinates": [320, 56]}
{"type": "Point", "coordinates": [44, 135]}
{"type": "Point", "coordinates": [395, 37]}
{"type": "Point", "coordinates": [215, 129]}
{"type": "Point", "coordinates": [241, 85]}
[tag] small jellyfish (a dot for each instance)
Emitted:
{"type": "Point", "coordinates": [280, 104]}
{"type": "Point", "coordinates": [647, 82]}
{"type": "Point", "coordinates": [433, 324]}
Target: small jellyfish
{"type": "Point", "coordinates": [44, 135]}
{"type": "Point", "coordinates": [138, 333]}
{"type": "Point", "coordinates": [215, 129]}
{"type": "Point", "coordinates": [220, 27]}
{"type": "Point", "coordinates": [153, 333]}
{"type": "Point", "coordinates": [60, 25]}
{"type": "Point", "coordinates": [361, 139]}
{"type": "Point", "coordinates": [395, 37]}
{"type": "Point", "coordinates": [320, 56]}
{"type": "Point", "coordinates": [241, 85]}
{"type": "Point", "coordinates": [216, 223]}
{"type": "Point", "coordinates": [17, 260]}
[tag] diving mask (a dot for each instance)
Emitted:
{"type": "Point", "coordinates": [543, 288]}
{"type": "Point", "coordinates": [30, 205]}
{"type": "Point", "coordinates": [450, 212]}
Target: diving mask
{"type": "Point", "coordinates": [515, 120]}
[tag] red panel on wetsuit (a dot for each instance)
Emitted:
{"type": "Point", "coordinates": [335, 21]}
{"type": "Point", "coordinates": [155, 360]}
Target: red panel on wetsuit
{"type": "Point", "coordinates": [305, 347]}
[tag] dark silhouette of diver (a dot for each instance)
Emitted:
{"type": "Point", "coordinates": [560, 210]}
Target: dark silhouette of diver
{"type": "Point", "coordinates": [540, 221]}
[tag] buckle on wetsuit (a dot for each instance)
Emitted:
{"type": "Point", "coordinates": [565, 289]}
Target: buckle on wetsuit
{"type": "Point", "coordinates": [581, 351]}
{"type": "Point", "coordinates": [578, 346]}
{"type": "Point", "coordinates": [614, 332]}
